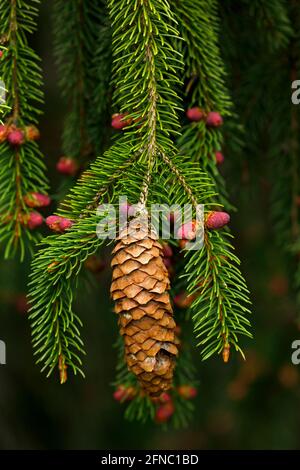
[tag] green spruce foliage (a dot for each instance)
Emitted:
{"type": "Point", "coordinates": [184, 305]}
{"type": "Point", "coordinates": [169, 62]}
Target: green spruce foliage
{"type": "Point", "coordinates": [22, 168]}
{"type": "Point", "coordinates": [155, 54]}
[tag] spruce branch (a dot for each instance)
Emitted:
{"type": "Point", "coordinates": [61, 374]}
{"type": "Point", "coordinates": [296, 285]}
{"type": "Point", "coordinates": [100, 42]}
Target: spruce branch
{"type": "Point", "coordinates": [22, 168]}
{"type": "Point", "coordinates": [82, 49]}
{"type": "Point", "coordinates": [55, 327]}
{"type": "Point", "coordinates": [204, 77]}
{"type": "Point", "coordinates": [144, 165]}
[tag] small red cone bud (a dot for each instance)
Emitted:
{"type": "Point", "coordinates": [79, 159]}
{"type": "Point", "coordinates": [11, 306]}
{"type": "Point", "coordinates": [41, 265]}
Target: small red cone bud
{"type": "Point", "coordinates": [65, 224]}
{"type": "Point", "coordinates": [94, 264]}
{"type": "Point", "coordinates": [37, 200]}
{"type": "Point", "coordinates": [219, 158]}
{"type": "Point", "coordinates": [188, 230]}
{"type": "Point", "coordinates": [118, 121]}
{"type": "Point", "coordinates": [164, 412]}
{"type": "Point", "coordinates": [195, 114]}
{"type": "Point", "coordinates": [165, 397]}
{"type": "Point", "coordinates": [1, 54]}
{"type": "Point", "coordinates": [214, 119]}
{"type": "Point", "coordinates": [58, 224]}
{"type": "Point", "coordinates": [187, 391]}
{"type": "Point", "coordinates": [167, 250]}
{"type": "Point", "coordinates": [53, 222]}
{"type": "Point", "coordinates": [118, 394]}
{"type": "Point", "coordinates": [34, 220]}
{"type": "Point", "coordinates": [32, 133]}
{"type": "Point", "coordinates": [3, 133]}
{"type": "Point", "coordinates": [15, 137]}
{"type": "Point", "coordinates": [67, 166]}
{"type": "Point", "coordinates": [216, 220]}
{"type": "Point", "coordinates": [123, 393]}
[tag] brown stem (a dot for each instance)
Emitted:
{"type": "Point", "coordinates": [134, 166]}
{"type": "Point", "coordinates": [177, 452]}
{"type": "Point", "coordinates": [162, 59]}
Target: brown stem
{"type": "Point", "coordinates": [181, 178]}
{"type": "Point", "coordinates": [13, 45]}
{"type": "Point", "coordinates": [152, 117]}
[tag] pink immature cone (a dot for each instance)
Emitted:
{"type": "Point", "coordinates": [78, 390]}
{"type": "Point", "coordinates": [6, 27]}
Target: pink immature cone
{"type": "Point", "coordinates": [119, 394]}
{"type": "Point", "coordinates": [188, 230]}
{"type": "Point", "coordinates": [214, 119]}
{"type": "Point", "coordinates": [187, 391]}
{"type": "Point", "coordinates": [219, 158]}
{"type": "Point", "coordinates": [15, 137]}
{"type": "Point", "coordinates": [195, 114]}
{"type": "Point", "coordinates": [65, 224]}
{"type": "Point", "coordinates": [32, 133]}
{"type": "Point", "coordinates": [165, 397]}
{"type": "Point", "coordinates": [123, 393]}
{"type": "Point", "coordinates": [35, 219]}
{"type": "Point", "coordinates": [37, 200]}
{"type": "Point", "coordinates": [118, 121]}
{"type": "Point", "coordinates": [53, 222]}
{"type": "Point", "coordinates": [216, 220]}
{"type": "Point", "coordinates": [164, 412]}
{"type": "Point", "coordinates": [67, 166]}
{"type": "Point", "coordinates": [58, 224]}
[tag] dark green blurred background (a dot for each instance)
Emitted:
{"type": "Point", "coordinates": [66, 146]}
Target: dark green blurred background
{"type": "Point", "coordinates": [251, 405]}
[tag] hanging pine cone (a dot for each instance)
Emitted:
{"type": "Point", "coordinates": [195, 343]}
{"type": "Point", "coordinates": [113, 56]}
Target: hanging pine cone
{"type": "Point", "coordinates": [140, 291]}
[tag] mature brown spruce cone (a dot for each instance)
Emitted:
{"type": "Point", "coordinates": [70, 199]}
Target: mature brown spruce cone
{"type": "Point", "coordinates": [140, 291]}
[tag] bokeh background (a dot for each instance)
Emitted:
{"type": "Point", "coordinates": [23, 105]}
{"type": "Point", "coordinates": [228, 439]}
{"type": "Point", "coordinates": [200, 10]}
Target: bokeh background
{"type": "Point", "coordinates": [240, 405]}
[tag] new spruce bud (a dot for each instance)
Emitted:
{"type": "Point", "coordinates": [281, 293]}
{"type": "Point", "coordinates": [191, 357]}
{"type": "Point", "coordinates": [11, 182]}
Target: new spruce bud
{"type": "Point", "coordinates": [216, 220]}
{"type": "Point", "coordinates": [32, 133]}
{"type": "Point", "coordinates": [195, 114]}
{"type": "Point", "coordinates": [164, 412]}
{"type": "Point", "coordinates": [37, 200]}
{"type": "Point", "coordinates": [58, 224]}
{"type": "Point", "coordinates": [119, 121]}
{"type": "Point", "coordinates": [188, 230]}
{"type": "Point", "coordinates": [67, 166]}
{"type": "Point", "coordinates": [219, 158]}
{"type": "Point", "coordinates": [15, 137]}
{"type": "Point", "coordinates": [123, 393]}
{"type": "Point", "coordinates": [34, 220]}
{"type": "Point", "coordinates": [187, 391]}
{"type": "Point", "coordinates": [214, 119]}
